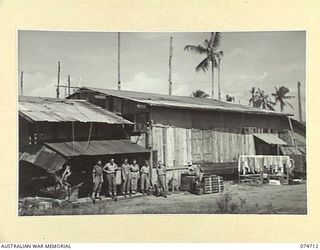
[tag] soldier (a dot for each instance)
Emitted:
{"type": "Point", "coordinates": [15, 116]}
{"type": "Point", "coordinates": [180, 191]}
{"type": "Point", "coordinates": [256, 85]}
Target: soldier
{"type": "Point", "coordinates": [126, 178]}
{"type": "Point", "coordinates": [161, 172]}
{"type": "Point", "coordinates": [134, 168]}
{"type": "Point", "coordinates": [97, 178]}
{"type": "Point", "coordinates": [64, 181]}
{"type": "Point", "coordinates": [145, 177]}
{"type": "Point", "coordinates": [110, 169]}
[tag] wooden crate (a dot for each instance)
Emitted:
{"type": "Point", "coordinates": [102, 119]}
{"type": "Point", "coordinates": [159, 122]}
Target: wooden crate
{"type": "Point", "coordinates": [212, 184]}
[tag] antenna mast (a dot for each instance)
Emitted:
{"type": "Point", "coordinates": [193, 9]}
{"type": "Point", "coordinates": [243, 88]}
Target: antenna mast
{"type": "Point", "coordinates": [58, 85]}
{"type": "Point", "coordinates": [119, 81]}
{"type": "Point", "coordinates": [170, 66]}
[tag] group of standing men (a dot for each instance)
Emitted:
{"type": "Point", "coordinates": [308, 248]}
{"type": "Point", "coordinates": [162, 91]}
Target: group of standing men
{"type": "Point", "coordinates": [130, 173]}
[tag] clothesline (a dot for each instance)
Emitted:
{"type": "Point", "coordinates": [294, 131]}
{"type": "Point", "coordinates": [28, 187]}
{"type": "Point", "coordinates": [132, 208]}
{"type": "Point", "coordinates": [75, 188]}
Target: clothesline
{"type": "Point", "coordinates": [263, 163]}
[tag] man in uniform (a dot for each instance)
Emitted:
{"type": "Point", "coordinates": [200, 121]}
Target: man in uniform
{"type": "Point", "coordinates": [110, 169]}
{"type": "Point", "coordinates": [97, 178]}
{"type": "Point", "coordinates": [145, 177]}
{"type": "Point", "coordinates": [134, 169]}
{"type": "Point", "coordinates": [126, 178]}
{"type": "Point", "coordinates": [161, 172]}
{"type": "Point", "coordinates": [65, 183]}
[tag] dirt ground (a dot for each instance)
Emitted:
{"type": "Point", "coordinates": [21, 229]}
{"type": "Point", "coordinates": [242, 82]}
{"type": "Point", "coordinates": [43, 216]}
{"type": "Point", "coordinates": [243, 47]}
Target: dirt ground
{"type": "Point", "coordinates": [237, 199]}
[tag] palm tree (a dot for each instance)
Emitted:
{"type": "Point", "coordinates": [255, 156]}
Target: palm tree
{"type": "Point", "coordinates": [264, 101]}
{"type": "Point", "coordinates": [219, 55]}
{"type": "Point", "coordinates": [200, 93]}
{"type": "Point", "coordinates": [254, 97]}
{"type": "Point", "coordinates": [281, 97]}
{"type": "Point", "coordinates": [260, 100]}
{"type": "Point", "coordinates": [209, 48]}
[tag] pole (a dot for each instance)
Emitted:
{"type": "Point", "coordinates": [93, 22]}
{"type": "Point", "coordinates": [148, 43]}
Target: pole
{"type": "Point", "coordinates": [58, 84]}
{"type": "Point", "coordinates": [170, 66]}
{"type": "Point", "coordinates": [119, 81]}
{"type": "Point", "coordinates": [212, 72]}
{"type": "Point", "coordinates": [69, 85]}
{"type": "Point", "coordinates": [21, 83]}
{"type": "Point", "coordinates": [219, 87]}
{"type": "Point", "coordinates": [299, 101]}
{"type": "Point", "coordinates": [292, 134]}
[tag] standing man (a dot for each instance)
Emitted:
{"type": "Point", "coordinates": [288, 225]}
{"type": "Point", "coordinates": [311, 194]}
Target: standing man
{"type": "Point", "coordinates": [145, 177]}
{"type": "Point", "coordinates": [126, 178]}
{"type": "Point", "coordinates": [97, 178]}
{"type": "Point", "coordinates": [64, 181]}
{"type": "Point", "coordinates": [134, 176]}
{"type": "Point", "coordinates": [110, 169]}
{"type": "Point", "coordinates": [161, 172]}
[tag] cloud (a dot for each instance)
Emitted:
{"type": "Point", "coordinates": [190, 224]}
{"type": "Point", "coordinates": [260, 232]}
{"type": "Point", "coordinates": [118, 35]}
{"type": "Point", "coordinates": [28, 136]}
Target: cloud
{"type": "Point", "coordinates": [145, 83]}
{"type": "Point", "coordinates": [236, 53]}
{"type": "Point", "coordinates": [40, 84]}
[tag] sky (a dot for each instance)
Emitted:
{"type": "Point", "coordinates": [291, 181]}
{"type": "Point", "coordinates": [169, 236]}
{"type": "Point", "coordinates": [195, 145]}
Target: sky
{"type": "Point", "coordinates": [251, 59]}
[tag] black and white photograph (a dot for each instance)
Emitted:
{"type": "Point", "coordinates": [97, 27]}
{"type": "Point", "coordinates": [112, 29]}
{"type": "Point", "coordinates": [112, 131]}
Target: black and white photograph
{"type": "Point", "coordinates": [161, 122]}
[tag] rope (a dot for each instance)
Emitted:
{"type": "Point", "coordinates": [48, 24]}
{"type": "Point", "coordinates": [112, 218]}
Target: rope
{"type": "Point", "coordinates": [72, 123]}
{"type": "Point", "coordinates": [89, 137]}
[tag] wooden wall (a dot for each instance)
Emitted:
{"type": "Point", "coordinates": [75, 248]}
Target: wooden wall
{"type": "Point", "coordinates": [179, 145]}
{"type": "Point", "coordinates": [58, 132]}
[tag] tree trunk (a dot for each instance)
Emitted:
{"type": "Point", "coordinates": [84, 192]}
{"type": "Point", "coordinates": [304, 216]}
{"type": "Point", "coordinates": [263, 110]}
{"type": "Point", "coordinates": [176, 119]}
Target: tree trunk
{"type": "Point", "coordinates": [212, 79]}
{"type": "Point", "coordinates": [219, 87]}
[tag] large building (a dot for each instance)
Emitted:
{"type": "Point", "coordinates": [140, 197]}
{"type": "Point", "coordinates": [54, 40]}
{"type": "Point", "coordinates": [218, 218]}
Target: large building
{"type": "Point", "coordinates": [56, 132]}
{"type": "Point", "coordinates": [179, 128]}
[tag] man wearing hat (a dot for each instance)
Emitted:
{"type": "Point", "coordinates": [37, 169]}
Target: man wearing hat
{"type": "Point", "coordinates": [97, 178]}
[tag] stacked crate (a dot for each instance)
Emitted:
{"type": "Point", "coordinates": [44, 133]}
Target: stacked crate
{"type": "Point", "coordinates": [212, 184]}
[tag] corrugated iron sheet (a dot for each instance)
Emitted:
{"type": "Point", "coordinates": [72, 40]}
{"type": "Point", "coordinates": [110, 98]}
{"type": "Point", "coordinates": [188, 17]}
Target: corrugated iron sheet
{"type": "Point", "coordinates": [153, 99]}
{"type": "Point", "coordinates": [43, 157]}
{"type": "Point", "coordinates": [104, 147]}
{"type": "Point", "coordinates": [62, 110]}
{"type": "Point", "coordinates": [292, 150]}
{"type": "Point", "coordinates": [270, 139]}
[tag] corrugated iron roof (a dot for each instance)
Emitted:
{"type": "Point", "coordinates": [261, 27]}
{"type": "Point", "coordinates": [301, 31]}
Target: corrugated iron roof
{"type": "Point", "coordinates": [65, 110]}
{"type": "Point", "coordinates": [43, 157]}
{"type": "Point", "coordinates": [270, 139]}
{"type": "Point", "coordinates": [162, 100]}
{"type": "Point", "coordinates": [103, 147]}
{"type": "Point", "coordinates": [292, 150]}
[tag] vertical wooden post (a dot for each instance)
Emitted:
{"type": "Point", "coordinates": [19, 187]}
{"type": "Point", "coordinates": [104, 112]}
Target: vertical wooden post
{"type": "Point", "coordinates": [58, 84]}
{"type": "Point", "coordinates": [299, 101]}
{"type": "Point", "coordinates": [150, 135]}
{"type": "Point", "coordinates": [68, 85]}
{"type": "Point", "coordinates": [219, 86]}
{"type": "Point", "coordinates": [119, 81]}
{"type": "Point", "coordinates": [292, 133]}
{"type": "Point", "coordinates": [170, 66]}
{"type": "Point", "coordinates": [21, 83]}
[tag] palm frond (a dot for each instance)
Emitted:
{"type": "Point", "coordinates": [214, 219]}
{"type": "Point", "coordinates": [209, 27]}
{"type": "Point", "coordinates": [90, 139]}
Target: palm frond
{"type": "Point", "coordinates": [215, 39]}
{"type": "Point", "coordinates": [289, 104]}
{"type": "Point", "coordinates": [203, 65]}
{"type": "Point", "coordinates": [219, 54]}
{"type": "Point", "coordinates": [289, 97]}
{"type": "Point", "coordinates": [206, 43]}
{"type": "Point", "coordinates": [196, 49]}
{"type": "Point", "coordinates": [270, 107]}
